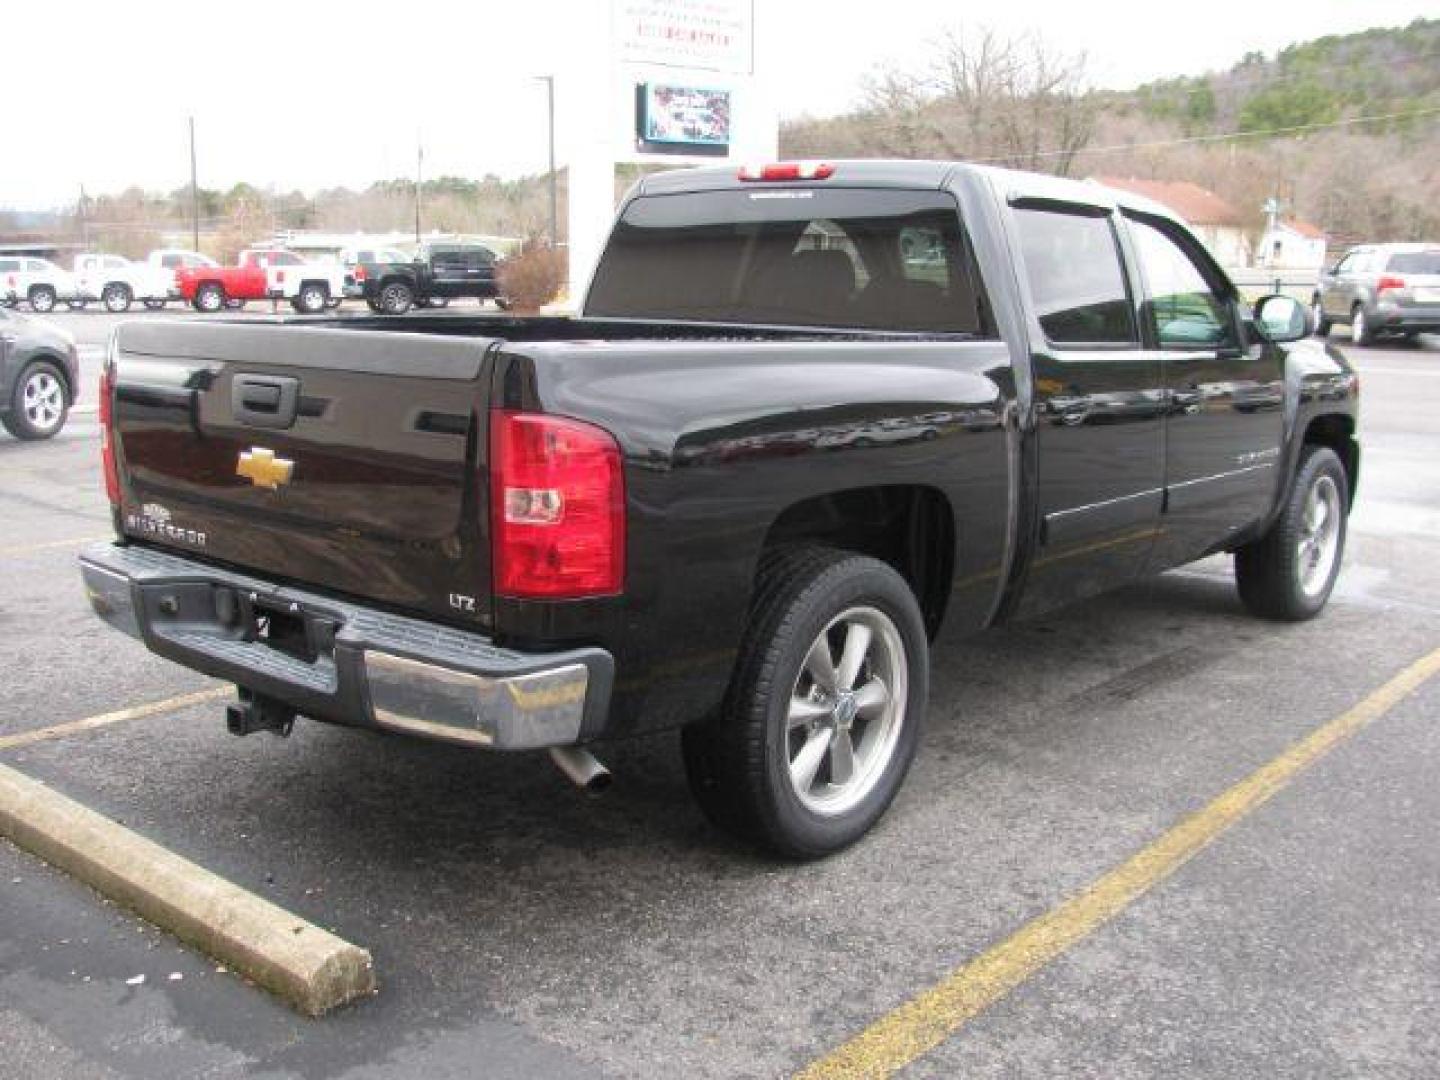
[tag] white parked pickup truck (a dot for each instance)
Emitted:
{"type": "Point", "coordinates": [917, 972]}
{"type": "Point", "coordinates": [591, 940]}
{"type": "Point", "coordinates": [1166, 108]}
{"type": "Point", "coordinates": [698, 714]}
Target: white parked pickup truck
{"type": "Point", "coordinates": [37, 282]}
{"type": "Point", "coordinates": [117, 282]}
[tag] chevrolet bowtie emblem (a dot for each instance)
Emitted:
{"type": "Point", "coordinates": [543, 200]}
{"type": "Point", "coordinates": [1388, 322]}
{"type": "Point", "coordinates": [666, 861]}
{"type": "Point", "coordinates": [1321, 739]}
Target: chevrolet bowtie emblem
{"type": "Point", "coordinates": [263, 469]}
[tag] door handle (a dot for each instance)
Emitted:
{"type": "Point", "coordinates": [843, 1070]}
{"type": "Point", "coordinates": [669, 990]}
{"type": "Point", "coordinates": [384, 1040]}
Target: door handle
{"type": "Point", "coordinates": [266, 401]}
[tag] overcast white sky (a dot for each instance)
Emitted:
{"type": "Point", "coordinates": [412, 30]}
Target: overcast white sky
{"type": "Point", "coordinates": [98, 93]}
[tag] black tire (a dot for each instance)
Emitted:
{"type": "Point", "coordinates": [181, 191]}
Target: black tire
{"type": "Point", "coordinates": [739, 764]}
{"type": "Point", "coordinates": [1361, 332]}
{"type": "Point", "coordinates": [29, 418]}
{"type": "Point", "coordinates": [396, 298]}
{"type": "Point", "coordinates": [1279, 576]}
{"type": "Point", "coordinates": [1318, 321]}
{"type": "Point", "coordinates": [42, 298]}
{"type": "Point", "coordinates": [153, 305]}
{"type": "Point", "coordinates": [311, 299]}
{"type": "Point", "coordinates": [116, 297]}
{"type": "Point", "coordinates": [209, 297]}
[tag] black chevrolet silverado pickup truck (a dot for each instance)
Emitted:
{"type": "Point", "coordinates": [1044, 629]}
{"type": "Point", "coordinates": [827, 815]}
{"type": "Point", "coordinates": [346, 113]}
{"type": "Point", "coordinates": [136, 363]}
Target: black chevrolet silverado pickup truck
{"type": "Point", "coordinates": [812, 416]}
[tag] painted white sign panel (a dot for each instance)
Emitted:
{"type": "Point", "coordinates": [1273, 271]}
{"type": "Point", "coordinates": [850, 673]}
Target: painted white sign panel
{"type": "Point", "coordinates": [706, 35]}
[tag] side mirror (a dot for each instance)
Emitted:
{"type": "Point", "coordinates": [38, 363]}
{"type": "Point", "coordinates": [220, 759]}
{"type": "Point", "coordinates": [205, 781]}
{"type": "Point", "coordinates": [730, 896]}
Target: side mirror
{"type": "Point", "coordinates": [1282, 318]}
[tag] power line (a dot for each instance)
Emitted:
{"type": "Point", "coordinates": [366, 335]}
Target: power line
{"type": "Point", "coordinates": [1293, 129]}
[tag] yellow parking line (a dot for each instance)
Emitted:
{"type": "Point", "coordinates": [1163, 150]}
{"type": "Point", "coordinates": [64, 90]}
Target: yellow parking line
{"type": "Point", "coordinates": [138, 712]}
{"type": "Point", "coordinates": [26, 549]}
{"type": "Point", "coordinates": [927, 1020]}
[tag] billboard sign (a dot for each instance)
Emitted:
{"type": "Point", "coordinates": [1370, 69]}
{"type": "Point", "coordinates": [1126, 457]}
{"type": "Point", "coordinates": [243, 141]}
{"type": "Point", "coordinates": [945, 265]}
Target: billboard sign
{"type": "Point", "coordinates": [706, 35]}
{"type": "Point", "coordinates": [682, 119]}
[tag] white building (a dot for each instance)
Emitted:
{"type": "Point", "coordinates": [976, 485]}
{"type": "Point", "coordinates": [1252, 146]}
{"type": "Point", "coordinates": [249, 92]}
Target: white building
{"type": "Point", "coordinates": [1293, 245]}
{"type": "Point", "coordinates": [1219, 225]}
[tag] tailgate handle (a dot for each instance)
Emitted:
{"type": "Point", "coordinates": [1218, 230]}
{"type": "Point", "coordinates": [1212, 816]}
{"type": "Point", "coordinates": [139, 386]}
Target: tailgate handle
{"type": "Point", "coordinates": [268, 401]}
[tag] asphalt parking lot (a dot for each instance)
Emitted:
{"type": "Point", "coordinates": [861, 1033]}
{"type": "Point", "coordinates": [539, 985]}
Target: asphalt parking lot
{"type": "Point", "coordinates": [520, 929]}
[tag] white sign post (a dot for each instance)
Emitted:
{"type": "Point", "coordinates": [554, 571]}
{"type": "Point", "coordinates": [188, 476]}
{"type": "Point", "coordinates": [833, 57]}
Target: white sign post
{"type": "Point", "coordinates": [670, 82]}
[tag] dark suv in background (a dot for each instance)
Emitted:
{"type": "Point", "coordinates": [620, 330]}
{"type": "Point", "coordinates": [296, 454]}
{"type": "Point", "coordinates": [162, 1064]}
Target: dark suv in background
{"type": "Point", "coordinates": [39, 376]}
{"type": "Point", "coordinates": [1381, 289]}
{"type": "Point", "coordinates": [438, 274]}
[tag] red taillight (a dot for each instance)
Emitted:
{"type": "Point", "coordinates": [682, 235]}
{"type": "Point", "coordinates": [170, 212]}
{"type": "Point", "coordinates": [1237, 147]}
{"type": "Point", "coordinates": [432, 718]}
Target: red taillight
{"type": "Point", "coordinates": [788, 170]}
{"type": "Point", "coordinates": [359, 273]}
{"type": "Point", "coordinates": [280, 277]}
{"type": "Point", "coordinates": [107, 435]}
{"type": "Point", "coordinates": [1389, 281]}
{"type": "Point", "coordinates": [557, 507]}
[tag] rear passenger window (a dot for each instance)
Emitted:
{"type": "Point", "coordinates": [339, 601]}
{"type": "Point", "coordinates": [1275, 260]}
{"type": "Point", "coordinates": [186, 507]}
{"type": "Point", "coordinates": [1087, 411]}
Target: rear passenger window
{"type": "Point", "coordinates": [1076, 281]}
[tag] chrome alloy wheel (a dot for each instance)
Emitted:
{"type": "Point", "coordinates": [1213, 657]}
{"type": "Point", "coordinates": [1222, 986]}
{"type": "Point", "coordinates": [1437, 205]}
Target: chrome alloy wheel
{"type": "Point", "coordinates": [1319, 543]}
{"type": "Point", "coordinates": [845, 714]}
{"type": "Point", "coordinates": [43, 400]}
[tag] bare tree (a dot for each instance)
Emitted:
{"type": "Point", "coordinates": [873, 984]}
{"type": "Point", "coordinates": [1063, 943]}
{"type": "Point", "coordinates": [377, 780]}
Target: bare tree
{"type": "Point", "coordinates": [980, 96]}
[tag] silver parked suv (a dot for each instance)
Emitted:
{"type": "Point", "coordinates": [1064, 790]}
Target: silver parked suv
{"type": "Point", "coordinates": [1381, 289]}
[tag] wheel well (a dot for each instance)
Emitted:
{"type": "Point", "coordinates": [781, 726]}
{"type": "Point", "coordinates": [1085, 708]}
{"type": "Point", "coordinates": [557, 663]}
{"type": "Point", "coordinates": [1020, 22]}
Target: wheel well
{"type": "Point", "coordinates": [910, 527]}
{"type": "Point", "coordinates": [1338, 433]}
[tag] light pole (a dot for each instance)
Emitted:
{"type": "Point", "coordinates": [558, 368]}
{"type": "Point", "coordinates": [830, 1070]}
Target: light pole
{"type": "Point", "coordinates": [549, 81]}
{"type": "Point", "coordinates": [194, 194]}
{"type": "Point", "coordinates": [419, 165]}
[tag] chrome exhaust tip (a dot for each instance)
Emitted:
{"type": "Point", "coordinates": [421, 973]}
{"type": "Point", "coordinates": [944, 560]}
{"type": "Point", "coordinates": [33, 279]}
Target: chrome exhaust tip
{"type": "Point", "coordinates": [582, 769]}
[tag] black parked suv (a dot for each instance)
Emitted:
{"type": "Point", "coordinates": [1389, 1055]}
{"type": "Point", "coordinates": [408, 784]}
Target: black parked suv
{"type": "Point", "coordinates": [438, 274]}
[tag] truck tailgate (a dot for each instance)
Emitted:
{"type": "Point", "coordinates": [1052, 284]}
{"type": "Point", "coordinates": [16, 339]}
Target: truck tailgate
{"type": "Point", "coordinates": [345, 458]}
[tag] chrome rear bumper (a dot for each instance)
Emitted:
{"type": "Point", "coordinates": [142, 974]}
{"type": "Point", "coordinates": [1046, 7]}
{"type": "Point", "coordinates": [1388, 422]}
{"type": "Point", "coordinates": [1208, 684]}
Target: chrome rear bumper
{"type": "Point", "coordinates": [347, 663]}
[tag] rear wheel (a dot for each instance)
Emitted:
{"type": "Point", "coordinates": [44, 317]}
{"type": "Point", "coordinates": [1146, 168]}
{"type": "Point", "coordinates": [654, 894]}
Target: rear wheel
{"type": "Point", "coordinates": [116, 297]}
{"type": "Point", "coordinates": [823, 714]}
{"type": "Point", "coordinates": [39, 402]}
{"type": "Point", "coordinates": [1318, 320]}
{"type": "Point", "coordinates": [42, 298]}
{"type": "Point", "coordinates": [1360, 332]}
{"type": "Point", "coordinates": [396, 298]}
{"type": "Point", "coordinates": [209, 297]}
{"type": "Point", "coordinates": [1289, 573]}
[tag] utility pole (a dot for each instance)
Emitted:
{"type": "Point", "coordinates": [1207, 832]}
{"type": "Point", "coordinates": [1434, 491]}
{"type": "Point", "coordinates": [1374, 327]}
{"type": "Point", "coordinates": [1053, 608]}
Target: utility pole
{"type": "Point", "coordinates": [84, 225]}
{"type": "Point", "coordinates": [419, 165]}
{"type": "Point", "coordinates": [554, 196]}
{"type": "Point", "coordinates": [194, 194]}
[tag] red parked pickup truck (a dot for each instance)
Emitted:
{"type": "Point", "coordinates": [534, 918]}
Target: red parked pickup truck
{"type": "Point", "coordinates": [262, 274]}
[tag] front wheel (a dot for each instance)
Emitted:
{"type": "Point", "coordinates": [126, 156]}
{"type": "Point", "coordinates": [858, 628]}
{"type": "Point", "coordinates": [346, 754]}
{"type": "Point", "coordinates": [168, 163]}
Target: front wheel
{"type": "Point", "coordinates": [823, 714]}
{"type": "Point", "coordinates": [42, 299]}
{"type": "Point", "coordinates": [39, 403]}
{"type": "Point", "coordinates": [396, 298]}
{"type": "Point", "coordinates": [116, 297]}
{"type": "Point", "coordinates": [1318, 321]}
{"type": "Point", "coordinates": [311, 299]}
{"type": "Point", "coordinates": [209, 297]}
{"type": "Point", "coordinates": [1360, 332]}
{"type": "Point", "coordinates": [1289, 573]}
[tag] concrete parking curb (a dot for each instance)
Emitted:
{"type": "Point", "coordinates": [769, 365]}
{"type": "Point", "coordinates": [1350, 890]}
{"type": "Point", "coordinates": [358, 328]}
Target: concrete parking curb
{"type": "Point", "coordinates": [313, 970]}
